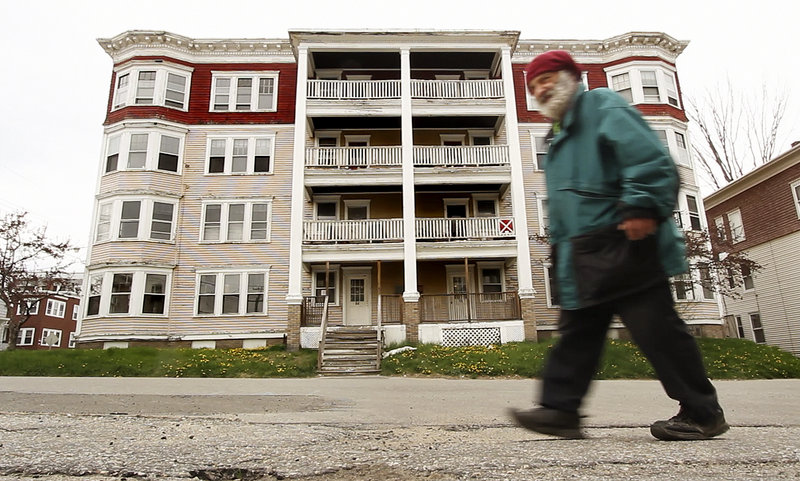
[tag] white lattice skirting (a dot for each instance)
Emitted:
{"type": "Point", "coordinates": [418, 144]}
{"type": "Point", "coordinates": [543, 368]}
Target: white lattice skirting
{"type": "Point", "coordinates": [472, 334]}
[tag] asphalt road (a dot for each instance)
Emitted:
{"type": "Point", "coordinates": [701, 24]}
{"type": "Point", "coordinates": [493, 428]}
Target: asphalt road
{"type": "Point", "coordinates": [374, 428]}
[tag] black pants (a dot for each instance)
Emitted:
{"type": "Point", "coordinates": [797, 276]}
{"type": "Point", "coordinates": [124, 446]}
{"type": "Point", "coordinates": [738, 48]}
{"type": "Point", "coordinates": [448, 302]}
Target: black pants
{"type": "Point", "coordinates": [660, 333]}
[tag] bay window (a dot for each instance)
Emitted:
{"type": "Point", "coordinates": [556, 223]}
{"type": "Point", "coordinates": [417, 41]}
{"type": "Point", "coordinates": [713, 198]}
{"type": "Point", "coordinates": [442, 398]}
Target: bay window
{"type": "Point", "coordinates": [128, 291]}
{"type": "Point", "coordinates": [145, 83]}
{"type": "Point", "coordinates": [136, 218]}
{"type": "Point", "coordinates": [144, 149]}
{"type": "Point", "coordinates": [642, 82]}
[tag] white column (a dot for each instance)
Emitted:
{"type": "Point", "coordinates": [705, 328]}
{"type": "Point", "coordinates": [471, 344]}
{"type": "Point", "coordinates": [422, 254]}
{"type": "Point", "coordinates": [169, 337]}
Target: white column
{"type": "Point", "coordinates": [295, 291]}
{"type": "Point", "coordinates": [517, 187]}
{"type": "Point", "coordinates": [410, 292]}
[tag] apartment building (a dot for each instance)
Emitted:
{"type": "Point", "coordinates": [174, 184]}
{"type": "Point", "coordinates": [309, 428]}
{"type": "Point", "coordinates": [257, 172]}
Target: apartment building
{"type": "Point", "coordinates": [254, 191]}
{"type": "Point", "coordinates": [759, 214]}
{"type": "Point", "coordinates": [51, 322]}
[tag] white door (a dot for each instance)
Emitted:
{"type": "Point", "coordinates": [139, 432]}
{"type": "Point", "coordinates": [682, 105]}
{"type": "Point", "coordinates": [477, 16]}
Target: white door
{"type": "Point", "coordinates": [458, 290]}
{"type": "Point", "coordinates": [357, 298]}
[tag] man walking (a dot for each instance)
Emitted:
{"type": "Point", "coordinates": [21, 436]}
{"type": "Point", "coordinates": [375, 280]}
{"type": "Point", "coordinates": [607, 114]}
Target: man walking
{"type": "Point", "coordinates": [612, 188]}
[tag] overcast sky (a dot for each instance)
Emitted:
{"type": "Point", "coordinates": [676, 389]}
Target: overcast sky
{"type": "Point", "coordinates": [56, 77]}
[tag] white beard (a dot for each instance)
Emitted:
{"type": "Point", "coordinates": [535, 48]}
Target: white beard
{"type": "Point", "coordinates": [559, 96]}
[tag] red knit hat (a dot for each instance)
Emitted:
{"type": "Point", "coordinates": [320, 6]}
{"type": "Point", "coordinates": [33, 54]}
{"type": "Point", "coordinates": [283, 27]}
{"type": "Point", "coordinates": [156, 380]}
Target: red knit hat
{"type": "Point", "coordinates": [552, 61]}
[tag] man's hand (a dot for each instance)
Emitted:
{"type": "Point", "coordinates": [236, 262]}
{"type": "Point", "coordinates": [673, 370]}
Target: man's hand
{"type": "Point", "coordinates": [639, 228]}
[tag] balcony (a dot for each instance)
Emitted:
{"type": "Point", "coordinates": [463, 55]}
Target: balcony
{"type": "Point", "coordinates": [391, 230]}
{"type": "Point", "coordinates": [391, 156]}
{"type": "Point", "coordinates": [354, 157]}
{"type": "Point", "coordinates": [390, 89]}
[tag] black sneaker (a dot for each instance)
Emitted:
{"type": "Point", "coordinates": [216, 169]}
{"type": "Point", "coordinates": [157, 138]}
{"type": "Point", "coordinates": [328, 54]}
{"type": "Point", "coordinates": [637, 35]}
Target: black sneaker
{"type": "Point", "coordinates": [681, 427]}
{"type": "Point", "coordinates": [544, 420]}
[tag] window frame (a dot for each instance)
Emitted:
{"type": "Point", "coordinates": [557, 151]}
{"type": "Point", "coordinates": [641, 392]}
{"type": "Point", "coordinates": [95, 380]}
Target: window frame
{"type": "Point", "coordinates": [160, 86]}
{"type": "Point", "coordinates": [795, 186]}
{"type": "Point", "coordinates": [737, 231]}
{"type": "Point", "coordinates": [549, 277]}
{"type": "Point", "coordinates": [33, 309]}
{"type": "Point", "coordinates": [135, 295]}
{"type": "Point", "coordinates": [26, 332]}
{"type": "Point", "coordinates": [542, 214]}
{"type": "Point", "coordinates": [122, 149]}
{"type": "Point", "coordinates": [243, 291]}
{"type": "Point", "coordinates": [55, 308]}
{"type": "Point", "coordinates": [686, 280]}
{"type": "Point", "coordinates": [230, 142]}
{"type": "Point", "coordinates": [144, 232]}
{"type": "Point", "coordinates": [333, 272]}
{"type": "Point", "coordinates": [759, 336]}
{"type": "Point", "coordinates": [483, 266]}
{"type": "Point", "coordinates": [45, 332]}
{"type": "Point", "coordinates": [535, 135]}
{"type": "Point", "coordinates": [234, 77]}
{"type": "Point", "coordinates": [634, 69]}
{"type": "Point", "coordinates": [225, 221]}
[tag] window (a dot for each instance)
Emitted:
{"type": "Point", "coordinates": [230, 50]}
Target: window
{"type": "Point", "coordinates": [71, 344]}
{"type": "Point", "coordinates": [232, 293]}
{"type": "Point", "coordinates": [530, 99]}
{"type": "Point", "coordinates": [736, 226]}
{"type": "Point", "coordinates": [94, 295]}
{"type": "Point", "coordinates": [245, 221]}
{"type": "Point", "coordinates": [544, 216]}
{"type": "Point", "coordinates": [622, 85]}
{"type": "Point", "coordinates": [486, 207]}
{"type": "Point", "coordinates": [644, 82]}
{"type": "Point", "coordinates": [740, 327]}
{"type": "Point", "coordinates": [719, 223]}
{"type": "Point", "coordinates": [326, 210]}
{"type": "Point", "coordinates": [29, 307]}
{"type": "Point", "coordinates": [244, 92]}
{"type": "Point", "coordinates": [165, 84]}
{"type": "Point", "coordinates": [706, 281]}
{"type": "Point", "coordinates": [240, 155]}
{"type": "Point", "coordinates": [662, 136]}
{"type": "Point", "coordinates": [150, 218]}
{"type": "Point", "coordinates": [121, 293]}
{"type": "Point", "coordinates": [55, 308]}
{"type": "Point", "coordinates": [129, 219]}
{"type": "Point", "coordinates": [130, 292]}
{"type": "Point", "coordinates": [320, 280]}
{"type": "Point", "coordinates": [76, 309]}
{"type": "Point", "coordinates": [684, 287]}
{"type": "Point", "coordinates": [540, 147]}
{"type": "Point", "coordinates": [683, 151]}
{"type": "Point", "coordinates": [491, 280]}
{"type": "Point", "coordinates": [25, 336]}
{"type": "Point", "coordinates": [694, 212]}
{"type": "Point", "coordinates": [121, 92]}
{"type": "Point", "coordinates": [50, 337]}
{"type": "Point", "coordinates": [150, 149]}
{"type": "Point", "coordinates": [796, 194]}
{"type": "Point", "coordinates": [758, 328]}
{"type": "Point", "coordinates": [112, 153]}
{"type": "Point", "coordinates": [747, 278]}
{"type": "Point", "coordinates": [155, 294]}
{"type": "Point", "coordinates": [550, 283]}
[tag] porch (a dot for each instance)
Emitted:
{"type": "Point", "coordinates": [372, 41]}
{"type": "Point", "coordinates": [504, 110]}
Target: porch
{"type": "Point", "coordinates": [362, 157]}
{"type": "Point", "coordinates": [390, 89]}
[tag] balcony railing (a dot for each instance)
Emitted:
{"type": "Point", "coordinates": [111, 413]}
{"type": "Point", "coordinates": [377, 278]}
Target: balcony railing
{"type": "Point", "coordinates": [353, 230]}
{"type": "Point", "coordinates": [495, 306]}
{"type": "Point", "coordinates": [353, 89]}
{"type": "Point", "coordinates": [473, 155]}
{"type": "Point", "coordinates": [470, 228]}
{"type": "Point", "coordinates": [390, 89]}
{"type": "Point", "coordinates": [391, 308]}
{"type": "Point", "coordinates": [457, 89]}
{"type": "Point", "coordinates": [353, 156]}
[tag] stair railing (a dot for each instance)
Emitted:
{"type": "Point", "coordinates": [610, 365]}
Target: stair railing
{"type": "Point", "coordinates": [323, 327]}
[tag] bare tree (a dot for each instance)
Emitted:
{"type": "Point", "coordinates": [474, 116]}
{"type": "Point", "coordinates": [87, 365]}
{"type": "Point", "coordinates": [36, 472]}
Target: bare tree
{"type": "Point", "coordinates": [720, 268]}
{"type": "Point", "coordinates": [30, 264]}
{"type": "Point", "coordinates": [734, 132]}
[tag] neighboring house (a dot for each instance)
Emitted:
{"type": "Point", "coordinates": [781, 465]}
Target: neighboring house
{"type": "Point", "coordinates": [52, 323]}
{"type": "Point", "coordinates": [399, 172]}
{"type": "Point", "coordinates": [759, 214]}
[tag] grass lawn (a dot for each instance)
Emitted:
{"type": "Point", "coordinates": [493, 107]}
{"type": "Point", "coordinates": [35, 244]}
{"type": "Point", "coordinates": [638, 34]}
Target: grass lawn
{"type": "Point", "coordinates": [724, 359]}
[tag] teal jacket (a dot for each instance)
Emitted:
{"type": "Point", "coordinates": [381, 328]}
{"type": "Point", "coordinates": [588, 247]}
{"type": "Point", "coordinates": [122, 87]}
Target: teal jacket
{"type": "Point", "coordinates": [604, 165]}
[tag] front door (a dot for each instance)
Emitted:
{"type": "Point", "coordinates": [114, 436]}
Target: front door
{"type": "Point", "coordinates": [357, 298]}
{"type": "Point", "coordinates": [460, 307]}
